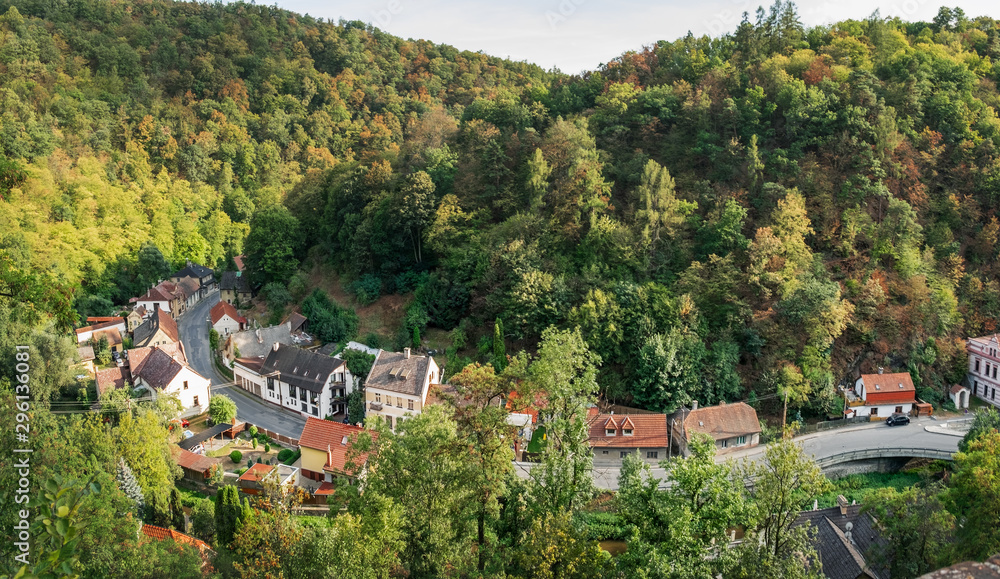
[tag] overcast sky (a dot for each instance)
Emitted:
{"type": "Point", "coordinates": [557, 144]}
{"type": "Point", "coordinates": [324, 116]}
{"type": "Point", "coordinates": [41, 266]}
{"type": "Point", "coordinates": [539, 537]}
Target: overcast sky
{"type": "Point", "coordinates": [577, 35]}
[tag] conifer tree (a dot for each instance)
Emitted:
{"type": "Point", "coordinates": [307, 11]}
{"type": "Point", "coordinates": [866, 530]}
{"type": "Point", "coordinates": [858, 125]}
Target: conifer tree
{"type": "Point", "coordinates": [499, 348]}
{"type": "Point", "coordinates": [130, 487]}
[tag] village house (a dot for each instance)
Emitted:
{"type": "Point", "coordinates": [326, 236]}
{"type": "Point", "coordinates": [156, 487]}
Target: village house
{"type": "Point", "coordinates": [112, 335]}
{"type": "Point", "coordinates": [984, 365]}
{"type": "Point", "coordinates": [845, 539]}
{"type": "Point", "coordinates": [226, 320]}
{"type": "Point", "coordinates": [190, 290]}
{"type": "Point", "coordinates": [733, 426]}
{"type": "Point", "coordinates": [325, 446]}
{"type": "Point", "coordinates": [86, 333]}
{"type": "Point", "coordinates": [196, 467]}
{"type": "Point", "coordinates": [256, 343]}
{"type": "Point", "coordinates": [158, 330]}
{"type": "Point", "coordinates": [252, 481]}
{"type": "Point", "coordinates": [234, 288]}
{"type": "Point", "coordinates": [881, 395]}
{"type": "Point", "coordinates": [614, 436]}
{"type": "Point", "coordinates": [297, 323]}
{"type": "Point", "coordinates": [134, 319]}
{"type": "Point", "coordinates": [204, 277]}
{"type": "Point", "coordinates": [156, 298]}
{"type": "Point", "coordinates": [114, 378]}
{"type": "Point", "coordinates": [397, 385]}
{"type": "Point", "coordinates": [297, 379]}
{"type": "Point", "coordinates": [164, 371]}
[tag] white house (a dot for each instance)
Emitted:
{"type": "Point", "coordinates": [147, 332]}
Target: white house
{"type": "Point", "coordinates": [883, 394]}
{"type": "Point", "coordinates": [984, 364]}
{"type": "Point", "coordinates": [163, 370]}
{"type": "Point", "coordinates": [297, 379]}
{"type": "Point", "coordinates": [226, 320]}
{"type": "Point", "coordinates": [155, 298]}
{"type": "Point", "coordinates": [84, 334]}
{"type": "Point", "coordinates": [397, 385]}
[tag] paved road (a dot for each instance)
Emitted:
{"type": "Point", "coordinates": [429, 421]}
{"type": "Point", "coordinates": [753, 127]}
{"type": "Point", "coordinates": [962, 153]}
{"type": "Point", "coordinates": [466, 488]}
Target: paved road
{"type": "Point", "coordinates": [193, 328]}
{"type": "Point", "coordinates": [819, 445]}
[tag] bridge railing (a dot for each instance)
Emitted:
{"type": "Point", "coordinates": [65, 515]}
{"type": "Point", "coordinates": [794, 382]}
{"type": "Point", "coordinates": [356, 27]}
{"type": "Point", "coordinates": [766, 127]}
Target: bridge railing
{"type": "Point", "coordinates": [883, 452]}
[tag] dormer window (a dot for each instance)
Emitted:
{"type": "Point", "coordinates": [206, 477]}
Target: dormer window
{"type": "Point", "coordinates": [626, 432]}
{"type": "Point", "coordinates": [609, 432]}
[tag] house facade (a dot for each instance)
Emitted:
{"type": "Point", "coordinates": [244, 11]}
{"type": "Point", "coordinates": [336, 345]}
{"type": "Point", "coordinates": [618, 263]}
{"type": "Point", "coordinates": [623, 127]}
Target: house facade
{"type": "Point", "coordinates": [204, 276]}
{"type": "Point", "coordinates": [614, 436]}
{"type": "Point", "coordinates": [297, 379]}
{"type": "Point", "coordinates": [252, 481]}
{"type": "Point", "coordinates": [164, 371]}
{"type": "Point", "coordinates": [881, 395]}
{"type": "Point", "coordinates": [397, 385]}
{"type": "Point", "coordinates": [984, 368]}
{"type": "Point", "coordinates": [86, 333]}
{"type": "Point", "coordinates": [732, 426]}
{"type": "Point", "coordinates": [190, 289]}
{"type": "Point", "coordinates": [226, 320]}
{"type": "Point", "coordinates": [134, 319]}
{"type": "Point", "coordinates": [234, 288]}
{"type": "Point", "coordinates": [156, 298]}
{"type": "Point", "coordinates": [325, 447]}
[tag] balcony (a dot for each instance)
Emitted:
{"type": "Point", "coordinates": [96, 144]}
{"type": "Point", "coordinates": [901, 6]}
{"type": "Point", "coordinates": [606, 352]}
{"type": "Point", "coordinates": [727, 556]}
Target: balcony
{"type": "Point", "coordinates": [376, 406]}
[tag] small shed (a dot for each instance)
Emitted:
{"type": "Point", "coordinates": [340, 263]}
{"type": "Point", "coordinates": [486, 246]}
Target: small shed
{"type": "Point", "coordinates": [218, 430]}
{"type": "Point", "coordinates": [960, 396]}
{"type": "Point", "coordinates": [921, 408]}
{"type": "Point", "coordinates": [195, 466]}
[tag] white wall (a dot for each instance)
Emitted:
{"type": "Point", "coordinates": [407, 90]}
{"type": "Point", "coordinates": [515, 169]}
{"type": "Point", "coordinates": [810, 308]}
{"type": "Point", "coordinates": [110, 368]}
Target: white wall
{"type": "Point", "coordinates": [884, 410]}
{"type": "Point", "coordinates": [165, 306]}
{"type": "Point", "coordinates": [197, 387]}
{"type": "Point", "coordinates": [226, 325]}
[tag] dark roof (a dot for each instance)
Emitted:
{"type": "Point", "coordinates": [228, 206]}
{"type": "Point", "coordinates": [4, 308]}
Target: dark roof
{"type": "Point", "coordinates": [189, 443]}
{"type": "Point", "coordinates": [159, 368]}
{"type": "Point", "coordinates": [843, 555]}
{"type": "Point", "coordinates": [722, 421]}
{"type": "Point", "coordinates": [398, 372]}
{"type": "Point", "coordinates": [296, 321]}
{"type": "Point", "coordinates": [194, 270]}
{"type": "Point", "coordinates": [989, 569]}
{"type": "Point", "coordinates": [232, 280]}
{"type": "Point", "coordinates": [300, 368]}
{"type": "Point", "coordinates": [251, 363]}
{"type": "Point", "coordinates": [146, 330]}
{"type": "Point", "coordinates": [189, 286]}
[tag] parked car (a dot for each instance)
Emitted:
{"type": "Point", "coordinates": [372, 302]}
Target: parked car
{"type": "Point", "coordinates": [897, 419]}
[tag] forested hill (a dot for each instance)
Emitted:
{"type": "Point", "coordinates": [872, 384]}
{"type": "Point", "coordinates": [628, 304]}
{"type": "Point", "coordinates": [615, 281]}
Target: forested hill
{"type": "Point", "coordinates": [723, 218]}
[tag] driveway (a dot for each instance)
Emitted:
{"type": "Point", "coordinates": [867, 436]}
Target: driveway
{"type": "Point", "coordinates": [818, 445]}
{"type": "Point", "coordinates": [193, 327]}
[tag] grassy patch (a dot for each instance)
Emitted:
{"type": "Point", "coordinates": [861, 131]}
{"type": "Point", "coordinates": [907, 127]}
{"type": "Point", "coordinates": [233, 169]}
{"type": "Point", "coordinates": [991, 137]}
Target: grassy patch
{"type": "Point", "coordinates": [537, 440]}
{"type": "Point", "coordinates": [189, 497]}
{"type": "Point", "coordinates": [857, 487]}
{"type": "Point", "coordinates": [224, 451]}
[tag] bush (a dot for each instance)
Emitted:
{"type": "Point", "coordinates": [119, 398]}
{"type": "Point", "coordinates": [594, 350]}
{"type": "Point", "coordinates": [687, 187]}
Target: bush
{"type": "Point", "coordinates": [241, 470]}
{"type": "Point", "coordinates": [284, 454]}
{"type": "Point", "coordinates": [372, 340]}
{"type": "Point", "coordinates": [253, 441]}
{"type": "Point", "coordinates": [276, 295]}
{"type": "Point", "coordinates": [291, 460]}
{"type": "Point", "coordinates": [366, 289]}
{"type": "Point", "coordinates": [252, 430]}
{"type": "Point", "coordinates": [264, 439]}
{"type": "Point", "coordinates": [236, 456]}
{"type": "Point", "coordinates": [328, 320]}
{"type": "Point", "coordinates": [267, 448]}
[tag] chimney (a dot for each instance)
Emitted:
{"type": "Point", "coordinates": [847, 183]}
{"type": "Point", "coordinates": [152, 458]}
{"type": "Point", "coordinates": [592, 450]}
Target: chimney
{"type": "Point", "coordinates": [275, 346]}
{"type": "Point", "coordinates": [842, 503]}
{"type": "Point", "coordinates": [880, 369]}
{"type": "Point", "coordinates": [406, 353]}
{"type": "Point", "coordinates": [694, 405]}
{"type": "Point", "coordinates": [329, 455]}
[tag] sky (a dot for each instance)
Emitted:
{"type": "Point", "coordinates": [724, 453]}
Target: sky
{"type": "Point", "coordinates": [578, 35]}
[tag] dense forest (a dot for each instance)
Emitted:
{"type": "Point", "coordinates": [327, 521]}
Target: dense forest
{"type": "Point", "coordinates": [750, 217]}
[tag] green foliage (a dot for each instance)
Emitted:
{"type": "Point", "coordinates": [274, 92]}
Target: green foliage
{"type": "Point", "coordinates": [328, 320]}
{"type": "Point", "coordinates": [252, 431]}
{"type": "Point", "coordinates": [130, 487]}
{"type": "Point", "coordinates": [272, 246]}
{"type": "Point", "coordinates": [236, 456]}
{"type": "Point", "coordinates": [203, 520]}
{"type": "Point", "coordinates": [985, 421]}
{"type": "Point", "coordinates": [221, 409]}
{"type": "Point", "coordinates": [213, 339]}
{"type": "Point", "coordinates": [284, 454]}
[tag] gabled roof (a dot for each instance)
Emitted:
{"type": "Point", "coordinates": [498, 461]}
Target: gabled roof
{"type": "Point", "coordinates": [108, 323]}
{"type": "Point", "coordinates": [189, 286]}
{"type": "Point", "coordinates": [112, 335]}
{"type": "Point", "coordinates": [161, 534]}
{"type": "Point", "coordinates": [86, 353]}
{"type": "Point", "coordinates": [722, 421]}
{"type": "Point", "coordinates": [156, 294]}
{"type": "Point", "coordinates": [159, 320]}
{"type": "Point", "coordinates": [256, 472]}
{"type": "Point", "coordinates": [253, 364]}
{"type": "Point", "coordinates": [191, 461]}
{"type": "Point", "coordinates": [843, 555]}
{"type": "Point", "coordinates": [295, 321]}
{"type": "Point", "coordinates": [896, 388]}
{"type": "Point", "coordinates": [648, 430]}
{"type": "Point", "coordinates": [99, 319]}
{"type": "Point", "coordinates": [137, 356]}
{"type": "Point", "coordinates": [956, 388]}
{"type": "Point", "coordinates": [333, 438]}
{"type": "Point", "coordinates": [159, 368]}
{"type": "Point", "coordinates": [300, 368]}
{"type": "Point", "coordinates": [399, 372]}
{"type": "Point", "coordinates": [194, 270]}
{"type": "Point", "coordinates": [257, 343]}
{"type": "Point", "coordinates": [238, 260]}
{"type": "Point", "coordinates": [112, 379]}
{"type": "Point", "coordinates": [232, 280]}
{"type": "Point", "coordinates": [225, 309]}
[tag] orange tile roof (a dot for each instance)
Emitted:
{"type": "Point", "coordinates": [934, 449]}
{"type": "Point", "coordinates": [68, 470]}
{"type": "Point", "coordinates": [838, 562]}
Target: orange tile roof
{"type": "Point", "coordinates": [112, 335]}
{"type": "Point", "coordinates": [648, 430]}
{"type": "Point", "coordinates": [256, 472]}
{"type": "Point", "coordinates": [333, 438]}
{"type": "Point", "coordinates": [722, 421]}
{"type": "Point", "coordinates": [325, 489]}
{"type": "Point", "coordinates": [161, 534]}
{"type": "Point", "coordinates": [112, 379]}
{"type": "Point", "coordinates": [225, 309]}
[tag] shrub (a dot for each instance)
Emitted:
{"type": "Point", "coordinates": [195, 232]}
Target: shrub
{"type": "Point", "coordinates": [366, 289]}
{"type": "Point", "coordinates": [253, 441]}
{"type": "Point", "coordinates": [252, 430]}
{"type": "Point", "coordinates": [236, 456]}
{"type": "Point", "coordinates": [294, 457]}
{"type": "Point", "coordinates": [241, 470]}
{"type": "Point", "coordinates": [372, 340]}
{"type": "Point", "coordinates": [267, 448]}
{"type": "Point", "coordinates": [276, 295]}
{"type": "Point", "coordinates": [284, 453]}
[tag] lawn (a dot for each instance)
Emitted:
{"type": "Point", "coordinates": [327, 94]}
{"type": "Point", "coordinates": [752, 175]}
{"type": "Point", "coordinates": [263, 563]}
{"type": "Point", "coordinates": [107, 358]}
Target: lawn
{"type": "Point", "coordinates": [537, 440]}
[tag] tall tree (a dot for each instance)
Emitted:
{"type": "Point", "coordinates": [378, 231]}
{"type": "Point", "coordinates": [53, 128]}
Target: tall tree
{"type": "Point", "coordinates": [499, 348]}
{"type": "Point", "coordinates": [272, 247]}
{"type": "Point", "coordinates": [974, 497]}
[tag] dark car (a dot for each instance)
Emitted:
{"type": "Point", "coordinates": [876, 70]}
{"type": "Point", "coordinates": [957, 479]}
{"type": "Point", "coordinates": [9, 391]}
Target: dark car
{"type": "Point", "coordinates": [897, 419]}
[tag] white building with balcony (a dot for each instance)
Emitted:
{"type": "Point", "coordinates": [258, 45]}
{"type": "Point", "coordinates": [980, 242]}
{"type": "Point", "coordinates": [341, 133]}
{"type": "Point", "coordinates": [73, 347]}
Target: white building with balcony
{"type": "Point", "coordinates": [984, 367]}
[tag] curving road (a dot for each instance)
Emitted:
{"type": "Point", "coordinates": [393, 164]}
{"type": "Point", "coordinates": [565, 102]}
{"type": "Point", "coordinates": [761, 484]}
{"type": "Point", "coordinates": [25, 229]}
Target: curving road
{"type": "Point", "coordinates": [819, 445]}
{"type": "Point", "coordinates": [193, 328]}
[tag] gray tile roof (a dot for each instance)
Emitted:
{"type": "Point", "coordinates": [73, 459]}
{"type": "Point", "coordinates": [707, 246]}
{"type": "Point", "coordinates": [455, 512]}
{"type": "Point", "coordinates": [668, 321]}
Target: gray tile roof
{"type": "Point", "coordinates": [301, 368]}
{"type": "Point", "coordinates": [844, 556]}
{"type": "Point", "coordinates": [395, 372]}
{"type": "Point", "coordinates": [257, 343]}
{"type": "Point", "coordinates": [232, 280]}
{"type": "Point", "coordinates": [148, 329]}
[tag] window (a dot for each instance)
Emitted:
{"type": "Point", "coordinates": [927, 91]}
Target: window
{"type": "Point", "coordinates": [725, 443]}
{"type": "Point", "coordinates": [378, 397]}
{"type": "Point", "coordinates": [185, 384]}
{"type": "Point", "coordinates": [623, 454]}
{"type": "Point", "coordinates": [305, 407]}
{"type": "Point", "coordinates": [196, 401]}
{"type": "Point", "coordinates": [977, 364]}
{"type": "Point", "coordinates": [409, 405]}
{"type": "Point", "coordinates": [899, 409]}
{"type": "Point", "coordinates": [741, 440]}
{"type": "Point", "coordinates": [975, 387]}
{"type": "Point", "coordinates": [291, 391]}
{"type": "Point", "coordinates": [315, 411]}
{"type": "Point", "coordinates": [389, 418]}
{"type": "Point", "coordinates": [399, 401]}
{"type": "Point", "coordinates": [270, 384]}
{"type": "Point", "coordinates": [652, 454]}
{"type": "Point", "coordinates": [388, 400]}
{"type": "Point", "coordinates": [994, 372]}
{"type": "Point", "coordinates": [302, 394]}
{"type": "Point", "coordinates": [626, 432]}
{"type": "Point", "coordinates": [609, 431]}
{"type": "Point", "coordinates": [993, 395]}
{"type": "Point", "coordinates": [604, 452]}
{"type": "Point", "coordinates": [875, 411]}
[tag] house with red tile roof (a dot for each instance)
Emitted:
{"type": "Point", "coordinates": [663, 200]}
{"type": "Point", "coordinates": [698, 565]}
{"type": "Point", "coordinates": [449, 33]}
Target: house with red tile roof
{"type": "Point", "coordinates": [614, 436]}
{"type": "Point", "coordinates": [733, 426]}
{"type": "Point", "coordinates": [325, 447]}
{"type": "Point", "coordinates": [86, 333]}
{"type": "Point", "coordinates": [156, 298]}
{"type": "Point", "coordinates": [251, 482]}
{"type": "Point", "coordinates": [164, 370]}
{"type": "Point", "coordinates": [161, 534]}
{"type": "Point", "coordinates": [226, 320]}
{"type": "Point", "coordinates": [158, 330]}
{"type": "Point", "coordinates": [113, 379]}
{"type": "Point", "coordinates": [881, 395]}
